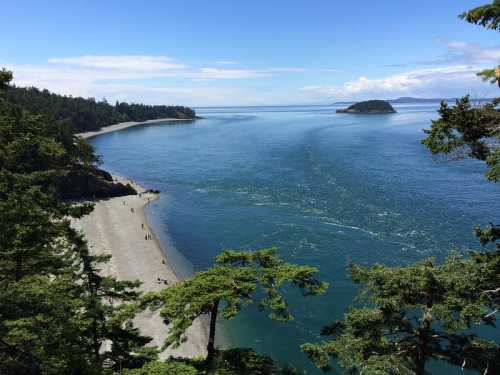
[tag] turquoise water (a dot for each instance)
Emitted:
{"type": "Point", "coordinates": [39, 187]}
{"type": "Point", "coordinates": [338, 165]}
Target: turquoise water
{"type": "Point", "coordinates": [325, 188]}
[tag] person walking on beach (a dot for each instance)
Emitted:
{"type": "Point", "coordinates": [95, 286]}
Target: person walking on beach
{"type": "Point", "coordinates": [142, 226]}
{"type": "Point", "coordinates": [160, 281]}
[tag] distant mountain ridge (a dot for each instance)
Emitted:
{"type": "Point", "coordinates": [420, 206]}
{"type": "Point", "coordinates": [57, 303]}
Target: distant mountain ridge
{"type": "Point", "coordinates": [410, 99]}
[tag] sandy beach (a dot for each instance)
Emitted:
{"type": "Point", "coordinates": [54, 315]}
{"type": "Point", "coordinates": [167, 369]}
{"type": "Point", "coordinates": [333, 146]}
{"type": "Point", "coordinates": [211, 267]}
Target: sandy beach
{"type": "Point", "coordinates": [118, 227]}
{"type": "Point", "coordinates": [124, 125]}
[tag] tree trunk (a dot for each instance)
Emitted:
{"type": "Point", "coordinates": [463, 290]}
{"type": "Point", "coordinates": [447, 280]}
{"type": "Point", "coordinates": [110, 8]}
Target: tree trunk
{"type": "Point", "coordinates": [211, 335]}
{"type": "Point", "coordinates": [423, 344]}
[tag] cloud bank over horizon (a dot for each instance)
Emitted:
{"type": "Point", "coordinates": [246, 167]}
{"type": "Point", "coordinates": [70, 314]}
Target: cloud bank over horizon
{"type": "Point", "coordinates": [439, 82]}
{"type": "Point", "coordinates": [165, 80]}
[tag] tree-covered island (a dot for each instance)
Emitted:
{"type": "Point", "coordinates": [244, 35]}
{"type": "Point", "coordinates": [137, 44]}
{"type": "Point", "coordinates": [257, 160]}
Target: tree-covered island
{"type": "Point", "coordinates": [369, 107]}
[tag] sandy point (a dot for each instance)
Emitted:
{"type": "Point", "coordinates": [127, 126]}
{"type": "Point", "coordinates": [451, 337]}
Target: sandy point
{"type": "Point", "coordinates": [118, 227]}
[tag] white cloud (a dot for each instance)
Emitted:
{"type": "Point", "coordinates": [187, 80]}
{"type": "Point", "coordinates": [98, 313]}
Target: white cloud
{"type": "Point", "coordinates": [122, 62]}
{"type": "Point", "coordinates": [141, 78]}
{"type": "Point", "coordinates": [455, 80]}
{"type": "Point", "coordinates": [470, 53]}
{"type": "Point", "coordinates": [215, 73]}
{"type": "Point", "coordinates": [459, 53]}
{"type": "Point", "coordinates": [207, 95]}
{"type": "Point", "coordinates": [131, 67]}
{"type": "Point", "coordinates": [160, 79]}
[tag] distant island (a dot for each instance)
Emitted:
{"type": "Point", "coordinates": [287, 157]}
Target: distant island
{"type": "Point", "coordinates": [369, 107]}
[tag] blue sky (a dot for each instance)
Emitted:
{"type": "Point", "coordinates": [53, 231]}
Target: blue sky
{"type": "Point", "coordinates": [255, 52]}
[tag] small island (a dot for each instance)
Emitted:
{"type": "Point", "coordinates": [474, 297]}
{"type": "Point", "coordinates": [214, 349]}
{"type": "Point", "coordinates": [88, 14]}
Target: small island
{"type": "Point", "coordinates": [369, 107]}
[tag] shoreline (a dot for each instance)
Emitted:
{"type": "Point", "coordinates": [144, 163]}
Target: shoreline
{"type": "Point", "coordinates": [117, 227]}
{"type": "Point", "coordinates": [113, 229]}
{"type": "Point", "coordinates": [125, 125]}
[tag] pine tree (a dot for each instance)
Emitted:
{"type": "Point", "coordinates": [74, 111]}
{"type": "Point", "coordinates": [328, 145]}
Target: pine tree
{"type": "Point", "coordinates": [487, 16]}
{"type": "Point", "coordinates": [58, 314]}
{"type": "Point", "coordinates": [230, 284]}
{"type": "Point", "coordinates": [413, 315]}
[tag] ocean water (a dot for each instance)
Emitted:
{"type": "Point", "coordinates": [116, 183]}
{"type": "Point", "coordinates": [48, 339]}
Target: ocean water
{"type": "Point", "coordinates": [325, 188]}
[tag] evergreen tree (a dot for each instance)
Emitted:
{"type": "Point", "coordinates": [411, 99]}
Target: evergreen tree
{"type": "Point", "coordinates": [466, 130]}
{"type": "Point", "coordinates": [58, 314]}
{"type": "Point", "coordinates": [163, 368]}
{"type": "Point", "coordinates": [229, 285]}
{"type": "Point", "coordinates": [487, 16]}
{"type": "Point", "coordinates": [86, 114]}
{"type": "Point", "coordinates": [5, 78]}
{"type": "Point", "coordinates": [413, 315]}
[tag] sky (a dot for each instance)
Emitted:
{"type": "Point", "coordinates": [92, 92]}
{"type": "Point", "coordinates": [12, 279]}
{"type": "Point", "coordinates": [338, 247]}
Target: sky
{"type": "Point", "coordinates": [254, 52]}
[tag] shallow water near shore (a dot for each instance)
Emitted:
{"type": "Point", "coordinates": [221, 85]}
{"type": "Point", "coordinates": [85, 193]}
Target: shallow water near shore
{"type": "Point", "coordinates": [325, 188]}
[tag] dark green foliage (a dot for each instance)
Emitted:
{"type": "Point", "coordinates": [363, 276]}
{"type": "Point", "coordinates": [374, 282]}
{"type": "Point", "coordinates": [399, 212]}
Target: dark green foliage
{"type": "Point", "coordinates": [490, 234]}
{"type": "Point", "coordinates": [92, 183]}
{"type": "Point", "coordinates": [486, 15]}
{"type": "Point", "coordinates": [33, 143]}
{"type": "Point", "coordinates": [467, 130]}
{"type": "Point", "coordinates": [415, 314]}
{"type": "Point", "coordinates": [492, 75]}
{"type": "Point", "coordinates": [58, 314]}
{"type": "Point", "coordinates": [5, 78]}
{"type": "Point", "coordinates": [231, 284]}
{"type": "Point", "coordinates": [240, 361]}
{"type": "Point", "coordinates": [369, 106]}
{"type": "Point", "coordinates": [88, 114]}
{"type": "Point", "coordinates": [164, 368]}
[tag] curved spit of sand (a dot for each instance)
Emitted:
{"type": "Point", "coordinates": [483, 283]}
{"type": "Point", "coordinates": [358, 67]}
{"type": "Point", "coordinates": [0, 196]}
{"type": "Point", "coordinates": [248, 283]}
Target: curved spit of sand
{"type": "Point", "coordinates": [125, 125]}
{"type": "Point", "coordinates": [118, 227]}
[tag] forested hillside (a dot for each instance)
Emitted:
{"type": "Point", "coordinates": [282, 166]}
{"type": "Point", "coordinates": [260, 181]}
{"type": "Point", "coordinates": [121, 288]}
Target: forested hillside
{"type": "Point", "coordinates": [88, 114]}
{"type": "Point", "coordinates": [58, 313]}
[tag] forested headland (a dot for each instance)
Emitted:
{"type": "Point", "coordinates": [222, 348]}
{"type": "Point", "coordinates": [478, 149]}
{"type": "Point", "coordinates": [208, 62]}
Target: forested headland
{"type": "Point", "coordinates": [89, 114]}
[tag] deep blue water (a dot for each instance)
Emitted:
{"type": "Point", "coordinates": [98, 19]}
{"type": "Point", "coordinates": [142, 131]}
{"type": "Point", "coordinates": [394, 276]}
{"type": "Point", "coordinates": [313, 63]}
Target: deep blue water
{"type": "Point", "coordinates": [325, 188]}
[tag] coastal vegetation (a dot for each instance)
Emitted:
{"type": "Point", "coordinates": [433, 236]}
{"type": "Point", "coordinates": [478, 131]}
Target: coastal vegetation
{"type": "Point", "coordinates": [413, 315]}
{"type": "Point", "coordinates": [229, 285]}
{"type": "Point", "coordinates": [60, 315]}
{"type": "Point", "coordinates": [55, 310]}
{"type": "Point", "coordinates": [487, 16]}
{"type": "Point", "coordinates": [369, 107]}
{"type": "Point", "coordinates": [83, 115]}
{"type": "Point", "coordinates": [235, 361]}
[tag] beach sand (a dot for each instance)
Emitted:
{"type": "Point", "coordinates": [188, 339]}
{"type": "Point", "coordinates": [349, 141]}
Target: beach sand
{"type": "Point", "coordinates": [118, 226]}
{"type": "Point", "coordinates": [124, 125]}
